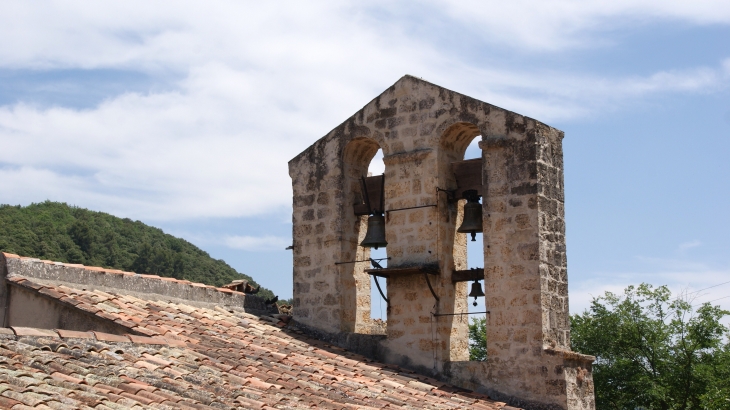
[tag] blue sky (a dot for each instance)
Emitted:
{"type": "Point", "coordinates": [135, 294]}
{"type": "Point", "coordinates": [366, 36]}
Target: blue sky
{"type": "Point", "coordinates": [184, 115]}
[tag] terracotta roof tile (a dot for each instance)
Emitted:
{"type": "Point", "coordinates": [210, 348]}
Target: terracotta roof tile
{"type": "Point", "coordinates": [87, 307]}
{"type": "Point", "coordinates": [149, 276]}
{"type": "Point", "coordinates": [28, 284]}
{"type": "Point", "coordinates": [66, 378]}
{"type": "Point", "coordinates": [74, 334]}
{"type": "Point", "coordinates": [27, 331]}
{"type": "Point", "coordinates": [107, 337]}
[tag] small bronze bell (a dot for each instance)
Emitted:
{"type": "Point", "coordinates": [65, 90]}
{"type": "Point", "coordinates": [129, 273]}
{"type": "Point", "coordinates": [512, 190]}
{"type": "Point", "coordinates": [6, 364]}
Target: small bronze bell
{"type": "Point", "coordinates": [472, 215]}
{"type": "Point", "coordinates": [375, 236]}
{"type": "Point", "coordinates": [476, 291]}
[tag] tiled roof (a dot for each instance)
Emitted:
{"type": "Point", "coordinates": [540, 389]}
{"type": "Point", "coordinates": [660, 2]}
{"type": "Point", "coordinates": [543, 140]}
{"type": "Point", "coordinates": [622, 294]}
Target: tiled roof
{"type": "Point", "coordinates": [197, 357]}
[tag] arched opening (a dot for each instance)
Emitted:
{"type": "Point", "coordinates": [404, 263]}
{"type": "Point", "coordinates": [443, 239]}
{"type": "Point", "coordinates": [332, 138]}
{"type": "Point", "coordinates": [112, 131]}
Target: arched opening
{"type": "Point", "coordinates": [362, 156]}
{"type": "Point", "coordinates": [475, 259]}
{"type": "Point", "coordinates": [475, 249]}
{"type": "Point", "coordinates": [378, 307]}
{"type": "Point", "coordinates": [460, 142]}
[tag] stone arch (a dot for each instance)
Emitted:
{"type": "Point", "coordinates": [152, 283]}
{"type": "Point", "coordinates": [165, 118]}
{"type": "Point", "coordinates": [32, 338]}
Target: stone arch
{"type": "Point", "coordinates": [456, 136]}
{"type": "Point", "coordinates": [355, 291]}
{"type": "Point", "coordinates": [453, 143]}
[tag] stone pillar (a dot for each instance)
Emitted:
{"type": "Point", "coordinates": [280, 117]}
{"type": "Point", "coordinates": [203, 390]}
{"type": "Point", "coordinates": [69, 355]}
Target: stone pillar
{"type": "Point", "coordinates": [525, 272]}
{"type": "Point", "coordinates": [422, 237]}
{"type": "Point", "coordinates": [317, 226]}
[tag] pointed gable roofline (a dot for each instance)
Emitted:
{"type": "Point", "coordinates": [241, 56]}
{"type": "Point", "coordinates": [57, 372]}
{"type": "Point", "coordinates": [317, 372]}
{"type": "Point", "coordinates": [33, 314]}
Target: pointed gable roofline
{"type": "Point", "coordinates": [409, 86]}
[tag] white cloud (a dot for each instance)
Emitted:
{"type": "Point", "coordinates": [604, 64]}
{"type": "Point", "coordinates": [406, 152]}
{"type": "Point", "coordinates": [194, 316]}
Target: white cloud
{"type": "Point", "coordinates": [159, 34]}
{"type": "Point", "coordinates": [697, 281]}
{"type": "Point", "coordinates": [218, 146]}
{"type": "Point", "coordinates": [257, 243]}
{"type": "Point", "coordinates": [563, 24]}
{"type": "Point", "coordinates": [181, 154]}
{"type": "Point", "coordinates": [683, 247]}
{"type": "Point", "coordinates": [259, 83]}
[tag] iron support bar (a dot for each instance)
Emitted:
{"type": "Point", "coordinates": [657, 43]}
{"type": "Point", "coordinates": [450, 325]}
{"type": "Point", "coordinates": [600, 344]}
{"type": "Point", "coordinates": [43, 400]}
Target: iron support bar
{"type": "Point", "coordinates": [458, 314]}
{"type": "Point", "coordinates": [425, 275]}
{"type": "Point", "coordinates": [410, 207]}
{"type": "Point", "coordinates": [381, 291]}
{"type": "Point", "coordinates": [366, 260]}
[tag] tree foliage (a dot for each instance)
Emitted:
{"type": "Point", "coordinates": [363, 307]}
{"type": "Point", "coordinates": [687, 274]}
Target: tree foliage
{"type": "Point", "coordinates": [478, 339]}
{"type": "Point", "coordinates": [654, 351]}
{"type": "Point", "coordinates": [58, 232]}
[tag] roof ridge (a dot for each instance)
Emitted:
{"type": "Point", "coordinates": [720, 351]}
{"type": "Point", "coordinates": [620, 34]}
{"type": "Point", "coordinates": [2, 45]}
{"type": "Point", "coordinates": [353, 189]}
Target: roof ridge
{"type": "Point", "coordinates": [100, 269]}
{"type": "Point", "coordinates": [16, 332]}
{"type": "Point", "coordinates": [106, 278]}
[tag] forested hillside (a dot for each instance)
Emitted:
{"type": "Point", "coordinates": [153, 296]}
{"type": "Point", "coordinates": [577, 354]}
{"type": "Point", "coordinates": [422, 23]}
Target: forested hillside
{"type": "Point", "coordinates": [58, 232]}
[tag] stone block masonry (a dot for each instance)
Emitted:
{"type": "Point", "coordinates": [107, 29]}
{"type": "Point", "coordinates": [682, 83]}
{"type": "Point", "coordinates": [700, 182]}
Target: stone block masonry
{"type": "Point", "coordinates": [422, 129]}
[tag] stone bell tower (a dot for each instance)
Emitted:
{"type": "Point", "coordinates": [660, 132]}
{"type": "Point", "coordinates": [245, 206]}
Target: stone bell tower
{"type": "Point", "coordinates": [424, 130]}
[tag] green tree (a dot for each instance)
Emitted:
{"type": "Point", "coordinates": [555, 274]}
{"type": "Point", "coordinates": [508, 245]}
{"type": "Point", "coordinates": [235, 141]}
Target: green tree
{"type": "Point", "coordinates": [654, 351]}
{"type": "Point", "coordinates": [82, 235]}
{"type": "Point", "coordinates": [717, 396]}
{"type": "Point", "coordinates": [478, 339]}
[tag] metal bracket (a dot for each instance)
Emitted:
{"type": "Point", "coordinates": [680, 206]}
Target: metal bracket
{"type": "Point", "coordinates": [449, 193]}
{"type": "Point", "coordinates": [381, 291]}
{"type": "Point", "coordinates": [425, 275]}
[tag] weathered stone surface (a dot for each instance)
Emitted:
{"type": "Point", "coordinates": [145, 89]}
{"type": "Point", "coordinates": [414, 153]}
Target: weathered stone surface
{"type": "Point", "coordinates": [422, 129]}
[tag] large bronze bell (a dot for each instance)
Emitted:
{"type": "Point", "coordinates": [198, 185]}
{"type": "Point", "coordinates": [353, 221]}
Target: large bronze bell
{"type": "Point", "coordinates": [472, 215]}
{"type": "Point", "coordinates": [476, 291]}
{"type": "Point", "coordinates": [375, 235]}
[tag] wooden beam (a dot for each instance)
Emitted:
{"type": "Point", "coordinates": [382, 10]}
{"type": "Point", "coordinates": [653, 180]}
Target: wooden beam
{"type": "Point", "coordinates": [375, 192]}
{"type": "Point", "coordinates": [468, 176]}
{"type": "Point", "coordinates": [467, 275]}
{"type": "Point", "coordinates": [361, 209]}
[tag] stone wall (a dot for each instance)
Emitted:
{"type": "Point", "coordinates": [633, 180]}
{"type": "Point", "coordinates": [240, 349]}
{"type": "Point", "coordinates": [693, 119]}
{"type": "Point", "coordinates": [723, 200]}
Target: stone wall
{"type": "Point", "coordinates": [150, 287]}
{"type": "Point", "coordinates": [422, 129]}
{"type": "Point", "coordinates": [30, 309]}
